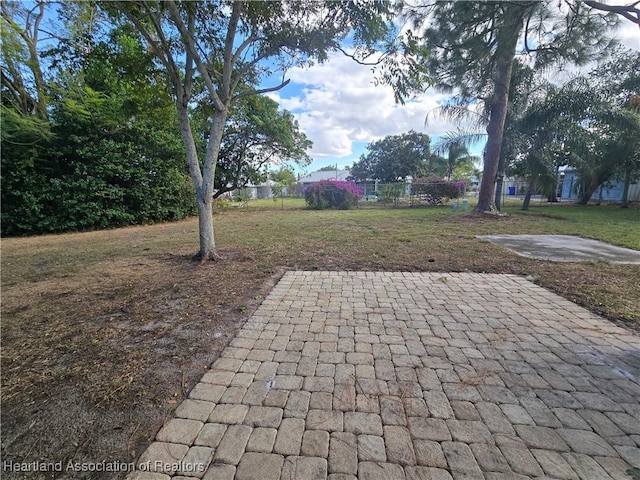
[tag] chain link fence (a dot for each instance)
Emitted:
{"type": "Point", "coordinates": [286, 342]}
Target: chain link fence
{"type": "Point", "coordinates": [407, 194]}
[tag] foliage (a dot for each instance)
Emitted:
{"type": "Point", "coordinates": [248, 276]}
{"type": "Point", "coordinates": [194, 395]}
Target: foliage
{"type": "Point", "coordinates": [23, 82]}
{"type": "Point", "coordinates": [282, 178]}
{"type": "Point", "coordinates": [630, 12]}
{"type": "Point", "coordinates": [458, 163]}
{"type": "Point", "coordinates": [473, 46]}
{"type": "Point", "coordinates": [257, 135]}
{"type": "Point", "coordinates": [437, 187]}
{"type": "Point", "coordinates": [218, 53]}
{"type": "Point", "coordinates": [390, 192]}
{"type": "Point", "coordinates": [109, 153]}
{"type": "Point", "coordinates": [393, 158]}
{"type": "Point", "coordinates": [242, 195]}
{"type": "Point", "coordinates": [587, 123]}
{"type": "Point", "coordinates": [329, 194]}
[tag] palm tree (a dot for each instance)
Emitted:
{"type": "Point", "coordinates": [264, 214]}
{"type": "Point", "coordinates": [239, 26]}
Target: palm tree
{"type": "Point", "coordinates": [589, 123]}
{"type": "Point", "coordinates": [458, 156]}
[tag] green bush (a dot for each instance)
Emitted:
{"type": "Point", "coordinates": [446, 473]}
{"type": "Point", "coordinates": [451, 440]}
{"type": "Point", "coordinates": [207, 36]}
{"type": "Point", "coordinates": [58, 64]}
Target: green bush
{"type": "Point", "coordinates": [390, 193]}
{"type": "Point", "coordinates": [332, 195]}
{"type": "Point", "coordinates": [438, 188]}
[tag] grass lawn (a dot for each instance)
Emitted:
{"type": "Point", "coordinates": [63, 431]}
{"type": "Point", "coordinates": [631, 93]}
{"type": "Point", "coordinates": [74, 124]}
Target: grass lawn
{"type": "Point", "coordinates": [103, 333]}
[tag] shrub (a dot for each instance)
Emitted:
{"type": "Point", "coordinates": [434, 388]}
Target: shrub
{"type": "Point", "coordinates": [329, 194]}
{"type": "Point", "coordinates": [436, 187]}
{"type": "Point", "coordinates": [390, 192]}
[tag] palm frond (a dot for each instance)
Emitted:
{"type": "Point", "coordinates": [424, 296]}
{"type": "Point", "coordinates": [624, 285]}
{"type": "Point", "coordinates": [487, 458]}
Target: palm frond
{"type": "Point", "coordinates": [459, 110]}
{"type": "Point", "coordinates": [465, 138]}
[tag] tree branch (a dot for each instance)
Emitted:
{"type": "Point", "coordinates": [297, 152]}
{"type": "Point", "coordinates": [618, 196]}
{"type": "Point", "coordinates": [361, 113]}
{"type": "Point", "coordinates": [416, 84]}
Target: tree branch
{"type": "Point", "coordinates": [248, 41]}
{"type": "Point", "coordinates": [358, 61]}
{"type": "Point", "coordinates": [261, 91]}
{"type": "Point", "coordinates": [190, 44]}
{"type": "Point", "coordinates": [227, 68]}
{"type": "Point", "coordinates": [188, 68]}
{"type": "Point", "coordinates": [626, 11]}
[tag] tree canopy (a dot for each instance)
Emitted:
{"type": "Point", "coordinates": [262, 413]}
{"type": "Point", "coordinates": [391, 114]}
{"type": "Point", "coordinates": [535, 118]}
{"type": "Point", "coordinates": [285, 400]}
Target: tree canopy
{"type": "Point", "coordinates": [393, 158]}
{"type": "Point", "coordinates": [589, 124]}
{"type": "Point", "coordinates": [107, 153]}
{"type": "Point", "coordinates": [473, 45]}
{"type": "Point", "coordinates": [218, 52]}
{"type": "Point", "coordinates": [105, 149]}
{"type": "Point", "coordinates": [258, 136]}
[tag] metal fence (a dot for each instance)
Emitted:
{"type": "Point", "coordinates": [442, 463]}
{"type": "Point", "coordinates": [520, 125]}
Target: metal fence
{"type": "Point", "coordinates": [403, 194]}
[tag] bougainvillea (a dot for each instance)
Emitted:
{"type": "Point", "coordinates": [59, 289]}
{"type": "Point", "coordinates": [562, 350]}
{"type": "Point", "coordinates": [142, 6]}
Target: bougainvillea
{"type": "Point", "coordinates": [329, 194]}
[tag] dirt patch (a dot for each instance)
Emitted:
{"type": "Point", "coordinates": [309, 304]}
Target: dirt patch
{"type": "Point", "coordinates": [92, 364]}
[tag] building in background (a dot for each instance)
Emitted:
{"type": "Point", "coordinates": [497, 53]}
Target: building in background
{"type": "Point", "coordinates": [320, 175]}
{"type": "Point", "coordinates": [569, 185]}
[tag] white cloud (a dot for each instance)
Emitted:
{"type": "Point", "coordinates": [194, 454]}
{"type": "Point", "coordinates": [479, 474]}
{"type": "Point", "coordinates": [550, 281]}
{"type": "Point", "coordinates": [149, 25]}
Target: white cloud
{"type": "Point", "coordinates": [337, 103]}
{"type": "Point", "coordinates": [627, 34]}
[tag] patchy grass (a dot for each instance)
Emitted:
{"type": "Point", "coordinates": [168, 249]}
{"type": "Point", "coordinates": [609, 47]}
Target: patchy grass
{"type": "Point", "coordinates": [608, 223]}
{"type": "Point", "coordinates": [104, 332]}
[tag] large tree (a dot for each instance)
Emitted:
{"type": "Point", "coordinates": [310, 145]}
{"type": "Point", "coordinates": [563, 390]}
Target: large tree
{"type": "Point", "coordinates": [209, 49]}
{"type": "Point", "coordinates": [473, 46]}
{"type": "Point", "coordinates": [589, 124]}
{"type": "Point", "coordinates": [393, 158]}
{"type": "Point", "coordinates": [258, 136]}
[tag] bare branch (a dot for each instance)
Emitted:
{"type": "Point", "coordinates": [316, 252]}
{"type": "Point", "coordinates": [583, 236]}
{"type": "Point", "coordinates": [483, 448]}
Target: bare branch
{"type": "Point", "coordinates": [261, 91]}
{"type": "Point", "coordinates": [227, 69]}
{"type": "Point", "coordinates": [188, 68]}
{"type": "Point", "coordinates": [248, 41]}
{"type": "Point", "coordinates": [358, 61]}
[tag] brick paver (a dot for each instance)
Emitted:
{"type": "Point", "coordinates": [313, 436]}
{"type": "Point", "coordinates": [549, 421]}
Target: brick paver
{"type": "Point", "coordinates": [345, 375]}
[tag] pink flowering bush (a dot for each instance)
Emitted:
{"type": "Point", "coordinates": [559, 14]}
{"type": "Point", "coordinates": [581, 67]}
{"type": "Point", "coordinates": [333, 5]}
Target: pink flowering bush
{"type": "Point", "coordinates": [329, 194]}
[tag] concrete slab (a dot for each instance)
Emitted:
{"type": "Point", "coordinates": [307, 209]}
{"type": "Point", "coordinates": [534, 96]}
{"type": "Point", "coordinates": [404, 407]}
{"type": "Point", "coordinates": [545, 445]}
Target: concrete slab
{"type": "Point", "coordinates": [564, 248]}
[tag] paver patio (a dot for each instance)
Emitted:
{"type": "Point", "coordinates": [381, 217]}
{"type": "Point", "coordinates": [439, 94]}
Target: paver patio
{"type": "Point", "coordinates": [415, 376]}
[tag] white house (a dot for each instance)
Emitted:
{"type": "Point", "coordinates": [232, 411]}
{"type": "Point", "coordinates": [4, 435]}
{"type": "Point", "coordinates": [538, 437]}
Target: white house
{"type": "Point", "coordinates": [320, 175]}
{"type": "Point", "coordinates": [254, 192]}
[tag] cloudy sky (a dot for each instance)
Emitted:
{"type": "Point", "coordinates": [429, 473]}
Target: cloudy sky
{"type": "Point", "coordinates": [340, 108]}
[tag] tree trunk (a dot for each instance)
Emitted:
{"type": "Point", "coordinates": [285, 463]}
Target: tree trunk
{"type": "Point", "coordinates": [625, 190]}
{"type": "Point", "coordinates": [527, 197]}
{"type": "Point", "coordinates": [205, 230]}
{"type": "Point", "coordinates": [203, 179]}
{"type": "Point", "coordinates": [514, 22]}
{"type": "Point", "coordinates": [499, 184]}
{"type": "Point", "coordinates": [553, 194]}
{"type": "Point", "coordinates": [587, 192]}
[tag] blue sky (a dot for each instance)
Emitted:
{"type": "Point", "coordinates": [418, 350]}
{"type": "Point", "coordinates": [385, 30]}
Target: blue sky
{"type": "Point", "coordinates": [341, 110]}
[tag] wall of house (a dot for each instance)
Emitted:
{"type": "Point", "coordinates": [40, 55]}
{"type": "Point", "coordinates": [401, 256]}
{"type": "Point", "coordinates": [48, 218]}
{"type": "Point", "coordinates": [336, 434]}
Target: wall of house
{"type": "Point", "coordinates": [609, 194]}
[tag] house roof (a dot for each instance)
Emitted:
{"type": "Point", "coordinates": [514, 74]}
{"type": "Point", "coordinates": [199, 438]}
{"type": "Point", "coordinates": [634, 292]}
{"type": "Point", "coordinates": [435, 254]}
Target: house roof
{"type": "Point", "coordinates": [315, 177]}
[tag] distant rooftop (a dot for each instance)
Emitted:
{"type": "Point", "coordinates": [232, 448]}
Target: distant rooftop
{"type": "Point", "coordinates": [315, 177]}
